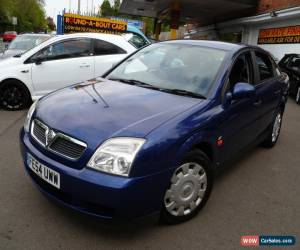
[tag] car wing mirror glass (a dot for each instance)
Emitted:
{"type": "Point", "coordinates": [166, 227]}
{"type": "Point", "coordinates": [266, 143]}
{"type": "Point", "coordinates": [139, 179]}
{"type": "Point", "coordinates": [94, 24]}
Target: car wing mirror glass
{"type": "Point", "coordinates": [39, 59]}
{"type": "Point", "coordinates": [243, 90]}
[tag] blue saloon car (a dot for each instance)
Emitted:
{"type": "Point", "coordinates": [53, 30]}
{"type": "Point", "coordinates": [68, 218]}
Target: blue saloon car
{"type": "Point", "coordinates": [147, 136]}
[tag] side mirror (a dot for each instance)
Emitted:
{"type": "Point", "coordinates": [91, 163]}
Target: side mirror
{"type": "Point", "coordinates": [39, 60]}
{"type": "Point", "coordinates": [243, 90]}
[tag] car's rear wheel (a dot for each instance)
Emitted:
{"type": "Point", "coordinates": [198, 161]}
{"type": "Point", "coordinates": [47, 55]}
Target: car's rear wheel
{"type": "Point", "coordinates": [298, 96]}
{"type": "Point", "coordinates": [274, 131]}
{"type": "Point", "coordinates": [14, 95]}
{"type": "Point", "coordinates": [189, 189]}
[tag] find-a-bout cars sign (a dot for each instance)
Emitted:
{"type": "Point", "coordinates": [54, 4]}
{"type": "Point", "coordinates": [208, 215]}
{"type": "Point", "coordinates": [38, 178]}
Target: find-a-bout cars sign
{"type": "Point", "coordinates": [76, 23]}
{"type": "Point", "coordinates": [282, 35]}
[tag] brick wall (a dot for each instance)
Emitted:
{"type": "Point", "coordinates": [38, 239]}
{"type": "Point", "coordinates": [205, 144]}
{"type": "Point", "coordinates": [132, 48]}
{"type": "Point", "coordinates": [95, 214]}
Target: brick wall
{"type": "Point", "coordinates": [269, 5]}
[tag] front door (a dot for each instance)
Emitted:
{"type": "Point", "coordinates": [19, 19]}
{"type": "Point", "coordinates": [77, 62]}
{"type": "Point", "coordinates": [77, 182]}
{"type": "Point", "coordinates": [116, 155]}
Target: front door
{"type": "Point", "coordinates": [237, 127]}
{"type": "Point", "coordinates": [62, 64]}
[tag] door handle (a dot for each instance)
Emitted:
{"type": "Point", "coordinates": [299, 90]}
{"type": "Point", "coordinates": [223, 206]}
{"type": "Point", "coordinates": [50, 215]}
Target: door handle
{"type": "Point", "coordinates": [85, 66]}
{"type": "Point", "coordinates": [257, 103]}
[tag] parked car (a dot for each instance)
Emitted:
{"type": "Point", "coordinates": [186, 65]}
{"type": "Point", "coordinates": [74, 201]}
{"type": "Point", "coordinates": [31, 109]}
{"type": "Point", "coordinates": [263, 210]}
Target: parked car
{"type": "Point", "coordinates": [137, 38]}
{"type": "Point", "coordinates": [290, 64]}
{"type": "Point", "coordinates": [23, 43]}
{"type": "Point", "coordinates": [8, 36]}
{"type": "Point", "coordinates": [147, 136]}
{"type": "Point", "coordinates": [57, 63]}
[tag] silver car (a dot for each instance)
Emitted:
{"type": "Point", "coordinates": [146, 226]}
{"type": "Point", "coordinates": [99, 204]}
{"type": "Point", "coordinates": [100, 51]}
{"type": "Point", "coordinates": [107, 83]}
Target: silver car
{"type": "Point", "coordinates": [22, 43]}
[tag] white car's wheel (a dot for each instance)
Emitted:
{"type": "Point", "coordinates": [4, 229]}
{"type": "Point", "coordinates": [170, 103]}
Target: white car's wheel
{"type": "Point", "coordinates": [14, 95]}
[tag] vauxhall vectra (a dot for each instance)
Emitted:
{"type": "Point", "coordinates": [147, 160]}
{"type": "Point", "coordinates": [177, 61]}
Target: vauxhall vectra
{"type": "Point", "coordinates": [147, 136]}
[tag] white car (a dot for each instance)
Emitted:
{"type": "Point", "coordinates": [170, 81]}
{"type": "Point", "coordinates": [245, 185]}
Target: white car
{"type": "Point", "coordinates": [57, 63]}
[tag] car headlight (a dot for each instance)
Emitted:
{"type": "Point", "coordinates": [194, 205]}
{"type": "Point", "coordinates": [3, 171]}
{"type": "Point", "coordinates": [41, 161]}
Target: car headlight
{"type": "Point", "coordinates": [116, 155]}
{"type": "Point", "coordinates": [29, 116]}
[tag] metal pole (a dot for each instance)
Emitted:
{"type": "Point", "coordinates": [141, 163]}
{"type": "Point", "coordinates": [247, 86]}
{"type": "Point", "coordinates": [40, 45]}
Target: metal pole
{"type": "Point", "coordinates": [79, 4]}
{"type": "Point", "coordinates": [93, 8]}
{"type": "Point", "coordinates": [69, 6]}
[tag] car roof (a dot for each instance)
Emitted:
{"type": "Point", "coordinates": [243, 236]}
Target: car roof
{"type": "Point", "coordinates": [37, 35]}
{"type": "Point", "coordinates": [90, 35]}
{"type": "Point", "coordinates": [292, 54]}
{"type": "Point", "coordinates": [212, 44]}
{"type": "Point", "coordinates": [118, 40]}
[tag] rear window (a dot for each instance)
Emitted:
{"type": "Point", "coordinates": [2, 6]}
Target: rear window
{"type": "Point", "coordinates": [105, 48]}
{"type": "Point", "coordinates": [136, 40]}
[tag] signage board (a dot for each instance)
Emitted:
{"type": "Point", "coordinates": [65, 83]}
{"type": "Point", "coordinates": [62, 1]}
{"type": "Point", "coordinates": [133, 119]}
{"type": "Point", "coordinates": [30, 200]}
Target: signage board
{"type": "Point", "coordinates": [282, 35]}
{"type": "Point", "coordinates": [76, 23]}
{"type": "Point", "coordinates": [14, 20]}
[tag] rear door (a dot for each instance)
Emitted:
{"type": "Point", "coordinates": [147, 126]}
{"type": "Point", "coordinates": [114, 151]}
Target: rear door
{"type": "Point", "coordinates": [106, 55]}
{"type": "Point", "coordinates": [268, 89]}
{"type": "Point", "coordinates": [63, 63]}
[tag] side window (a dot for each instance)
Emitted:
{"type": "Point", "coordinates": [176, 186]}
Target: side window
{"type": "Point", "coordinates": [284, 61]}
{"type": "Point", "coordinates": [242, 71]}
{"type": "Point", "coordinates": [66, 49]}
{"type": "Point", "coordinates": [105, 48]}
{"type": "Point", "coordinates": [294, 63]}
{"type": "Point", "coordinates": [265, 67]}
{"type": "Point", "coordinates": [138, 41]}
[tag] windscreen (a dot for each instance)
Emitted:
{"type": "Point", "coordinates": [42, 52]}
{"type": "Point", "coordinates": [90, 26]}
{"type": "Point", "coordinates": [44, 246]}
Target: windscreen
{"type": "Point", "coordinates": [173, 66]}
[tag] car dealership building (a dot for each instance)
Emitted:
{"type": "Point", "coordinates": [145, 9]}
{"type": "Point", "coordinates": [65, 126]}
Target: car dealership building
{"type": "Point", "coordinates": [272, 24]}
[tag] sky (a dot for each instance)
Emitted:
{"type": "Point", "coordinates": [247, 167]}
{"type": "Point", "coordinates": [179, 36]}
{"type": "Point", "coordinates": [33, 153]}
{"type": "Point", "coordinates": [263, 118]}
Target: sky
{"type": "Point", "coordinates": [54, 7]}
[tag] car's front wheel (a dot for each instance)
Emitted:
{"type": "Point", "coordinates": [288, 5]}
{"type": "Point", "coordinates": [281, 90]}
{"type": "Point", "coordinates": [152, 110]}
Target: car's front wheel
{"type": "Point", "coordinates": [189, 188]}
{"type": "Point", "coordinates": [14, 95]}
{"type": "Point", "coordinates": [298, 95]}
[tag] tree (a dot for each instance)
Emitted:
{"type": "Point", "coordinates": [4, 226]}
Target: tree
{"type": "Point", "coordinates": [106, 9]}
{"type": "Point", "coordinates": [50, 24]}
{"type": "Point", "coordinates": [30, 14]}
{"type": "Point", "coordinates": [116, 7]}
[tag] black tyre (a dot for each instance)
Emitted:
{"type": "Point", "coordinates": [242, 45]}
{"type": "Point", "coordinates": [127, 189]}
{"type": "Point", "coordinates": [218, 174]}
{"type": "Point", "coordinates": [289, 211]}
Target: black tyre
{"type": "Point", "coordinates": [189, 189]}
{"type": "Point", "coordinates": [274, 131]}
{"type": "Point", "coordinates": [298, 95]}
{"type": "Point", "coordinates": [14, 95]}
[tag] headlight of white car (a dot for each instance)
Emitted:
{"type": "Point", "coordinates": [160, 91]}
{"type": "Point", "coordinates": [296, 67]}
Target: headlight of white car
{"type": "Point", "coordinates": [29, 116]}
{"type": "Point", "coordinates": [116, 155]}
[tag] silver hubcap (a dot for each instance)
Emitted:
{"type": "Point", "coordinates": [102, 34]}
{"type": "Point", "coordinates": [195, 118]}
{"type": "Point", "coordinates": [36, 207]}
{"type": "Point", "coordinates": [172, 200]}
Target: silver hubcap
{"type": "Point", "coordinates": [188, 187]}
{"type": "Point", "coordinates": [276, 127]}
{"type": "Point", "coordinates": [298, 95]}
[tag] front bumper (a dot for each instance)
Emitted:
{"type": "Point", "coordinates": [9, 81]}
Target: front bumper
{"type": "Point", "coordinates": [96, 193]}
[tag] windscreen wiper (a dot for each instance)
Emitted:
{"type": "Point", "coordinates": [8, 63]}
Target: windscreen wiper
{"type": "Point", "coordinates": [135, 83]}
{"type": "Point", "coordinates": [184, 93]}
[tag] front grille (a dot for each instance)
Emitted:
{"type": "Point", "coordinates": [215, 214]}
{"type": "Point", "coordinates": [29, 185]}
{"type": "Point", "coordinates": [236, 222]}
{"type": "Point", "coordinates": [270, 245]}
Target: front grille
{"type": "Point", "coordinates": [66, 147]}
{"type": "Point", "coordinates": [57, 142]}
{"type": "Point", "coordinates": [39, 132]}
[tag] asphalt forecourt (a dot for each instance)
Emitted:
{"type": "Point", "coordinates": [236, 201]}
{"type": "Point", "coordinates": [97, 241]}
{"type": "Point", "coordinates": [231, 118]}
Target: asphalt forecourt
{"type": "Point", "coordinates": [258, 195]}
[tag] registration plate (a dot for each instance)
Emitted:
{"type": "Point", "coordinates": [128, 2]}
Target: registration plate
{"type": "Point", "coordinates": [45, 173]}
